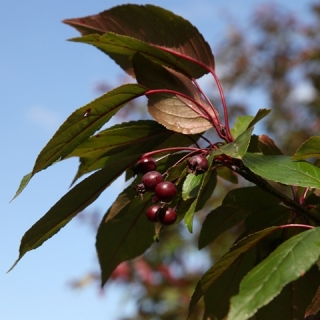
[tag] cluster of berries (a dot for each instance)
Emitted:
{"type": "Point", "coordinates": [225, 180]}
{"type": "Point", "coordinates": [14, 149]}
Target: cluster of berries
{"type": "Point", "coordinates": [164, 191]}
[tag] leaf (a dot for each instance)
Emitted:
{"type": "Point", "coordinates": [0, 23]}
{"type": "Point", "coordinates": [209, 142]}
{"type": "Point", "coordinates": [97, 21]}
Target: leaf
{"type": "Point", "coordinates": [263, 144]}
{"type": "Point", "coordinates": [314, 306]}
{"type": "Point", "coordinates": [205, 178]}
{"type": "Point", "coordinates": [70, 204]}
{"type": "Point", "coordinates": [281, 169]}
{"type": "Point", "coordinates": [155, 26]}
{"type": "Point", "coordinates": [124, 48]}
{"type": "Point", "coordinates": [174, 112]}
{"type": "Point", "coordinates": [142, 139]}
{"type": "Point", "coordinates": [236, 206]}
{"type": "Point", "coordinates": [225, 262]}
{"type": "Point", "coordinates": [217, 297]}
{"type": "Point", "coordinates": [238, 148]}
{"type": "Point", "coordinates": [25, 180]}
{"type": "Point", "coordinates": [125, 234]}
{"type": "Point", "coordinates": [191, 186]}
{"type": "Point", "coordinates": [82, 123]}
{"type": "Point", "coordinates": [293, 299]}
{"type": "Point", "coordinates": [309, 149]}
{"type": "Point", "coordinates": [291, 259]}
{"type": "Point", "coordinates": [122, 137]}
{"type": "Point", "coordinates": [244, 122]}
{"type": "Point", "coordinates": [227, 174]}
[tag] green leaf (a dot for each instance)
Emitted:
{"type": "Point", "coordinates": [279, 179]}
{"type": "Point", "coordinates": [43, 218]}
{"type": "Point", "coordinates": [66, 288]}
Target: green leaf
{"type": "Point", "coordinates": [173, 111]}
{"type": "Point", "coordinates": [25, 180]}
{"type": "Point", "coordinates": [217, 297]}
{"type": "Point", "coordinates": [293, 299]}
{"type": "Point", "coordinates": [205, 178]}
{"type": "Point", "coordinates": [77, 199]}
{"type": "Point", "coordinates": [282, 169]}
{"type": "Point", "coordinates": [126, 47]}
{"type": "Point", "coordinates": [263, 144]}
{"type": "Point", "coordinates": [153, 25]}
{"type": "Point", "coordinates": [236, 206]}
{"type": "Point", "coordinates": [191, 186]}
{"type": "Point", "coordinates": [309, 149]}
{"type": "Point", "coordinates": [244, 122]}
{"type": "Point", "coordinates": [238, 148]}
{"type": "Point", "coordinates": [124, 232]}
{"type": "Point", "coordinates": [82, 123]}
{"type": "Point", "coordinates": [225, 262]}
{"type": "Point", "coordinates": [227, 174]}
{"type": "Point", "coordinates": [241, 125]}
{"type": "Point", "coordinates": [133, 138]}
{"type": "Point", "coordinates": [291, 259]}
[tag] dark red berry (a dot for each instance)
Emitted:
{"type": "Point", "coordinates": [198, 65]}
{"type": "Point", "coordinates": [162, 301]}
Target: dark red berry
{"type": "Point", "coordinates": [166, 216]}
{"type": "Point", "coordinates": [152, 213]}
{"type": "Point", "coordinates": [165, 191]}
{"type": "Point", "coordinates": [145, 165]}
{"type": "Point", "coordinates": [140, 188]}
{"type": "Point", "coordinates": [198, 164]}
{"type": "Point", "coordinates": [151, 180]}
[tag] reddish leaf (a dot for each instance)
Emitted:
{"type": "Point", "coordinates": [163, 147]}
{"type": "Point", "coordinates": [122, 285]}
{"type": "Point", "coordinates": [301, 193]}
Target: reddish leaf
{"type": "Point", "coordinates": [153, 25]}
{"type": "Point", "coordinates": [314, 306]}
{"type": "Point", "coordinates": [173, 111]}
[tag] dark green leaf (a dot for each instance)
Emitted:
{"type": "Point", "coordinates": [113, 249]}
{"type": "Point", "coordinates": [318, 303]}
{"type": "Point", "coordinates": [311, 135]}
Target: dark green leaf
{"type": "Point", "coordinates": [291, 259]}
{"type": "Point", "coordinates": [155, 26]}
{"type": "Point", "coordinates": [124, 233]}
{"type": "Point", "coordinates": [282, 169]}
{"type": "Point", "coordinates": [225, 262]}
{"type": "Point", "coordinates": [217, 297]}
{"type": "Point", "coordinates": [236, 206]}
{"type": "Point", "coordinates": [238, 148]}
{"type": "Point", "coordinates": [70, 204]}
{"type": "Point", "coordinates": [173, 111]}
{"type": "Point", "coordinates": [149, 137]}
{"type": "Point", "coordinates": [227, 174]}
{"type": "Point", "coordinates": [124, 48]}
{"type": "Point", "coordinates": [84, 122]}
{"type": "Point", "coordinates": [293, 300]}
{"type": "Point", "coordinates": [309, 149]}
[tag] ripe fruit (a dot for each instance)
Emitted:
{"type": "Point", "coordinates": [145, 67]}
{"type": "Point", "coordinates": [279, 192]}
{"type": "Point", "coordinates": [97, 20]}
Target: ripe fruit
{"type": "Point", "coordinates": [151, 180]}
{"type": "Point", "coordinates": [152, 213]}
{"type": "Point", "coordinates": [166, 216]}
{"type": "Point", "coordinates": [198, 164]}
{"type": "Point", "coordinates": [165, 191]}
{"type": "Point", "coordinates": [145, 165]}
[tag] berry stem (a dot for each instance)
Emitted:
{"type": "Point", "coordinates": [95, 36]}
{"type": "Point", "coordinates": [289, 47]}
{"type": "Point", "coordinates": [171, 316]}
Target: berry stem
{"type": "Point", "coordinates": [174, 149]}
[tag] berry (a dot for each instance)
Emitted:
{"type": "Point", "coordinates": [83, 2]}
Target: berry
{"type": "Point", "coordinates": [152, 213]}
{"type": "Point", "coordinates": [198, 164]}
{"type": "Point", "coordinates": [151, 179]}
{"type": "Point", "coordinates": [166, 216]}
{"type": "Point", "coordinates": [140, 188]}
{"type": "Point", "coordinates": [145, 165]}
{"type": "Point", "coordinates": [165, 191]}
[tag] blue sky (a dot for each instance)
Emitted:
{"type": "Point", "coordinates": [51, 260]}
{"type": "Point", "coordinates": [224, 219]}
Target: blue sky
{"type": "Point", "coordinates": [43, 79]}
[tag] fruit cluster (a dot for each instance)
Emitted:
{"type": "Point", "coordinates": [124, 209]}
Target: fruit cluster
{"type": "Point", "coordinates": [164, 191]}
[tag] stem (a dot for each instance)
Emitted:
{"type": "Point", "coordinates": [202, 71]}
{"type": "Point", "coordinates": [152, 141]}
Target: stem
{"type": "Point", "coordinates": [263, 184]}
{"type": "Point", "coordinates": [199, 63]}
{"type": "Point", "coordinates": [175, 149]}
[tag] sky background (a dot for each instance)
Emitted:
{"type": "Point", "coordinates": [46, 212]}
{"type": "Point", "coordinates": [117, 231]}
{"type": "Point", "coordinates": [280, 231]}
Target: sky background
{"type": "Point", "coordinates": [43, 79]}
